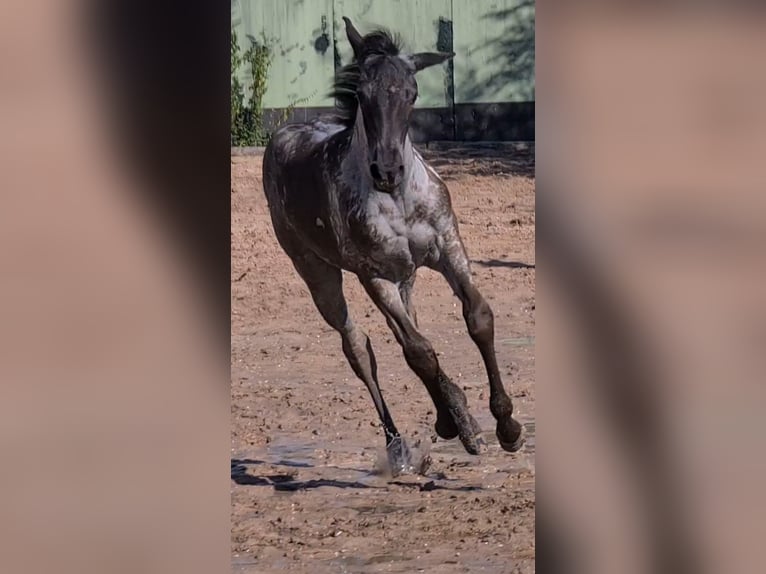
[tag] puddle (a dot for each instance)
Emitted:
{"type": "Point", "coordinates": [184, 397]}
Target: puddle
{"type": "Point", "coordinates": [529, 433]}
{"type": "Point", "coordinates": [518, 341]}
{"type": "Point", "coordinates": [409, 564]}
{"type": "Point", "coordinates": [358, 563]}
{"type": "Point", "coordinates": [288, 465]}
{"type": "Point", "coordinates": [247, 564]}
{"type": "Point", "coordinates": [287, 452]}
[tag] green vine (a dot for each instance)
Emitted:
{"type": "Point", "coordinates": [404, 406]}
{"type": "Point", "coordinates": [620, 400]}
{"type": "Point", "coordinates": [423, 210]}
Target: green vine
{"type": "Point", "coordinates": [247, 121]}
{"type": "Point", "coordinates": [247, 126]}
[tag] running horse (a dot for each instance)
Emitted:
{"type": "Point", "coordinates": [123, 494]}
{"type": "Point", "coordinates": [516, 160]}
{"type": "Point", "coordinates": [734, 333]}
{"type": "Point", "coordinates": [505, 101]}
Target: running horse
{"type": "Point", "coordinates": [348, 191]}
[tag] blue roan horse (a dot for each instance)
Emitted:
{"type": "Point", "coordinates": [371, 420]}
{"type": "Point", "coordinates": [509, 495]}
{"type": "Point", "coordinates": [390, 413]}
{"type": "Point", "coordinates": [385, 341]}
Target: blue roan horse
{"type": "Point", "coordinates": [349, 191]}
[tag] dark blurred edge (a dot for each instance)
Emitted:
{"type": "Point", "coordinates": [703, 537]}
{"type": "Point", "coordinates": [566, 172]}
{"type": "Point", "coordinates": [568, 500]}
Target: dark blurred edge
{"type": "Point", "coordinates": [504, 121]}
{"type": "Point", "coordinates": [165, 72]}
{"type": "Point", "coordinates": [623, 379]}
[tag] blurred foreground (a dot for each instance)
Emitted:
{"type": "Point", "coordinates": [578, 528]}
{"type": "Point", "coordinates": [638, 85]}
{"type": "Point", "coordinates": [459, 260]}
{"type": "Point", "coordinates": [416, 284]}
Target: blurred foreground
{"type": "Point", "coordinates": [652, 316]}
{"type": "Point", "coordinates": [113, 340]}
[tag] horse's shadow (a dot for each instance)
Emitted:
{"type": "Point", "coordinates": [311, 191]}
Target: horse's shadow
{"type": "Point", "coordinates": [284, 481]}
{"type": "Point", "coordinates": [287, 482]}
{"type": "Point", "coordinates": [503, 263]}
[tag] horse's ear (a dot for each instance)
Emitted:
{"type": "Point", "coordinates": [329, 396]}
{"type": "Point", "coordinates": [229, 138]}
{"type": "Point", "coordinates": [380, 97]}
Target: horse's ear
{"type": "Point", "coordinates": [354, 37]}
{"type": "Point", "coordinates": [425, 59]}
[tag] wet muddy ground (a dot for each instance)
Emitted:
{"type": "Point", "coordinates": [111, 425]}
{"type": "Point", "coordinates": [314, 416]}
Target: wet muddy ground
{"type": "Point", "coordinates": [308, 493]}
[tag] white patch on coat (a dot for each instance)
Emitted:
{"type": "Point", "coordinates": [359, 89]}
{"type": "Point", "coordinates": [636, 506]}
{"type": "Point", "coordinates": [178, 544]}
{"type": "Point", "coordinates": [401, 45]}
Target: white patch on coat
{"type": "Point", "coordinates": [421, 234]}
{"type": "Point", "coordinates": [422, 182]}
{"type": "Point", "coordinates": [320, 223]}
{"type": "Point", "coordinates": [429, 170]}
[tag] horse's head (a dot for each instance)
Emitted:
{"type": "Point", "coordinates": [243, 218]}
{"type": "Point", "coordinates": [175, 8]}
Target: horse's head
{"type": "Point", "coordinates": [386, 92]}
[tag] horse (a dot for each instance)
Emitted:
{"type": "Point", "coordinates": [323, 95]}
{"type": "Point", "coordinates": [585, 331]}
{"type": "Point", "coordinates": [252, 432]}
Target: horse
{"type": "Point", "coordinates": [349, 191]}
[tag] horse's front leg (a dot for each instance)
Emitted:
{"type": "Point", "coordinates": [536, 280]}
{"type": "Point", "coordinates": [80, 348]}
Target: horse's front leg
{"type": "Point", "coordinates": [479, 319]}
{"type": "Point", "coordinates": [453, 418]}
{"type": "Point", "coordinates": [405, 291]}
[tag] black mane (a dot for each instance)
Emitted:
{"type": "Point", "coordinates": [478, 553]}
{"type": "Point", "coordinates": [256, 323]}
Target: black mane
{"type": "Point", "coordinates": [377, 43]}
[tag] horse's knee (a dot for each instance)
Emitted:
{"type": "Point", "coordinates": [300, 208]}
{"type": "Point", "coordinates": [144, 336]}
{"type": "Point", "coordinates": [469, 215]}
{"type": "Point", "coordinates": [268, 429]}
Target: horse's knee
{"type": "Point", "coordinates": [480, 320]}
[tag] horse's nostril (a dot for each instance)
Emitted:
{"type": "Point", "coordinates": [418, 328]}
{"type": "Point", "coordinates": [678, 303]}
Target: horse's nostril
{"type": "Point", "coordinates": [375, 172]}
{"type": "Point", "coordinates": [401, 169]}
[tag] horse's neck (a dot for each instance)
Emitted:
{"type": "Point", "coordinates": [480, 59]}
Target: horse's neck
{"type": "Point", "coordinates": [358, 147]}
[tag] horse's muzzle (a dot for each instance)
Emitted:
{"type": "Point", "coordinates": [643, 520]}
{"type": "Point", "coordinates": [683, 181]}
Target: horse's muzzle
{"type": "Point", "coordinates": [385, 186]}
{"type": "Point", "coordinates": [386, 179]}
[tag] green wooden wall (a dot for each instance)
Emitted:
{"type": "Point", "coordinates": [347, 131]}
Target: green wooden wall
{"type": "Point", "coordinates": [493, 41]}
{"type": "Point", "coordinates": [416, 21]}
{"type": "Point", "coordinates": [495, 47]}
{"type": "Point", "coordinates": [298, 71]}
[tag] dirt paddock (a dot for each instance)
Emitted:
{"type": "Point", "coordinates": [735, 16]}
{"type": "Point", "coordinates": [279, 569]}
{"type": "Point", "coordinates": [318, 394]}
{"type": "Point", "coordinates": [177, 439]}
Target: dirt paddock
{"type": "Point", "coordinates": [306, 496]}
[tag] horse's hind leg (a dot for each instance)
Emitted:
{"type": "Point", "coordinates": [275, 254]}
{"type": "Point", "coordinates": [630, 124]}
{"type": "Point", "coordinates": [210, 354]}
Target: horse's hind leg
{"type": "Point", "coordinates": [325, 283]}
{"type": "Point", "coordinates": [450, 401]}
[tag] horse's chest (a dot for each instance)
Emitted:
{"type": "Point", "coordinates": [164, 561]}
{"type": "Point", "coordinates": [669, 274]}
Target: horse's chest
{"type": "Point", "coordinates": [393, 247]}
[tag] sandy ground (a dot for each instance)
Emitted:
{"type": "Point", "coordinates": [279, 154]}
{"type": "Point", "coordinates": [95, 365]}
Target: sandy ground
{"type": "Point", "coordinates": [306, 495]}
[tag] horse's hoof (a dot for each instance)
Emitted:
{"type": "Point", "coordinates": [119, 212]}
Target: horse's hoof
{"type": "Point", "coordinates": [512, 447]}
{"type": "Point", "coordinates": [399, 457]}
{"type": "Point", "coordinates": [474, 444]}
{"type": "Point", "coordinates": [509, 435]}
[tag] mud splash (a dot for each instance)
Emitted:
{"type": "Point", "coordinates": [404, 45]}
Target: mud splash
{"type": "Point", "coordinates": [290, 465]}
